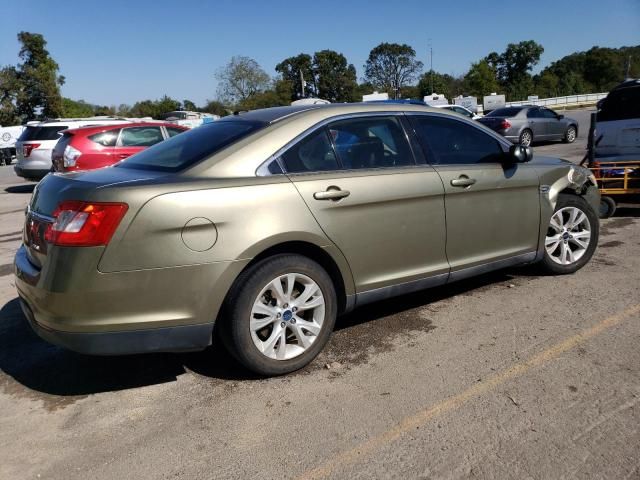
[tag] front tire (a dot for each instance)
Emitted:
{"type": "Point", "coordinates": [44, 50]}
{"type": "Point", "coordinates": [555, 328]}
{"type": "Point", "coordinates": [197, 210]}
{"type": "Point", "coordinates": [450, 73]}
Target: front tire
{"type": "Point", "coordinates": [526, 138]}
{"type": "Point", "coordinates": [572, 236]}
{"type": "Point", "coordinates": [279, 314]}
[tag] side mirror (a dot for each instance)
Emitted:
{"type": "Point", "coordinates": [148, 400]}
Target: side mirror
{"type": "Point", "coordinates": [520, 153]}
{"type": "Point", "coordinates": [560, 117]}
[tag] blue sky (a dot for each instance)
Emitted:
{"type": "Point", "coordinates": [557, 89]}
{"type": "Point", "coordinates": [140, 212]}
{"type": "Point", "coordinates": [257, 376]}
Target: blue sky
{"type": "Point", "coordinates": [120, 51]}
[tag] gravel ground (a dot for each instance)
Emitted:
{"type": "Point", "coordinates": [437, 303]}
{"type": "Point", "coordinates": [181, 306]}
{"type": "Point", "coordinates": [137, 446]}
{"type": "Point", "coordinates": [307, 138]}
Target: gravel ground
{"type": "Point", "coordinates": [509, 375]}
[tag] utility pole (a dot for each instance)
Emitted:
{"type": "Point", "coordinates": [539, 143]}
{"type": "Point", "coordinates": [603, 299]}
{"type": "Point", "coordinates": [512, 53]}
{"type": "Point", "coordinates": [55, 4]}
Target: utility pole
{"type": "Point", "coordinates": [431, 63]}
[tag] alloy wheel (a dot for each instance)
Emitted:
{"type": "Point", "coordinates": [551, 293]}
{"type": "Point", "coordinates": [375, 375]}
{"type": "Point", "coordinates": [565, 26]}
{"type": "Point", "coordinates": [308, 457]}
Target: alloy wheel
{"type": "Point", "coordinates": [525, 138]}
{"type": "Point", "coordinates": [571, 134]}
{"type": "Point", "coordinates": [287, 316]}
{"type": "Point", "coordinates": [568, 236]}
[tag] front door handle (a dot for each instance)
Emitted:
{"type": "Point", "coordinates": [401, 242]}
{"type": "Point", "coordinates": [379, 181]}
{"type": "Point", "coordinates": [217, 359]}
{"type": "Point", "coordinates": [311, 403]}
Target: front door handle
{"type": "Point", "coordinates": [331, 193]}
{"type": "Point", "coordinates": [462, 181]}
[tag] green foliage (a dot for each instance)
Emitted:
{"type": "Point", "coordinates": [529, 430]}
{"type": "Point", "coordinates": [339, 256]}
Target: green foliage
{"type": "Point", "coordinates": [216, 108]}
{"type": "Point", "coordinates": [189, 105]}
{"type": "Point", "coordinates": [446, 84]}
{"type": "Point", "coordinates": [38, 80]}
{"type": "Point", "coordinates": [290, 69]}
{"type": "Point", "coordinates": [391, 66]}
{"type": "Point", "coordinates": [481, 79]}
{"type": "Point", "coordinates": [241, 78]}
{"type": "Point", "coordinates": [80, 108]}
{"type": "Point", "coordinates": [9, 88]}
{"type": "Point", "coordinates": [334, 77]}
{"type": "Point", "coordinates": [512, 67]}
{"type": "Point", "coordinates": [154, 108]}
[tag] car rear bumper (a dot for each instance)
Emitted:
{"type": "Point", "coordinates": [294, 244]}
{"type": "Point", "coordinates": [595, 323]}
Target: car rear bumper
{"type": "Point", "coordinates": [153, 310]}
{"type": "Point", "coordinates": [31, 173]}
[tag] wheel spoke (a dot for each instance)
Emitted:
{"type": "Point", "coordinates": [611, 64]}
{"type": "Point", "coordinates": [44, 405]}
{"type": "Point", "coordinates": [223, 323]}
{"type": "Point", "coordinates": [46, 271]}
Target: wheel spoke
{"type": "Point", "coordinates": [303, 340]}
{"type": "Point", "coordinates": [307, 293]}
{"type": "Point", "coordinates": [578, 218]}
{"type": "Point", "coordinates": [555, 239]}
{"type": "Point", "coordinates": [291, 281]}
{"type": "Point", "coordinates": [555, 224]}
{"type": "Point", "coordinates": [276, 288]}
{"type": "Point", "coordinates": [263, 309]}
{"type": "Point", "coordinates": [281, 350]}
{"type": "Point", "coordinates": [580, 243]}
{"type": "Point", "coordinates": [268, 346]}
{"type": "Point", "coordinates": [311, 327]}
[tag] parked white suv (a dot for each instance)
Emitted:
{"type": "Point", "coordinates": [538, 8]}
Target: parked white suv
{"type": "Point", "coordinates": [34, 147]}
{"type": "Point", "coordinates": [618, 124]}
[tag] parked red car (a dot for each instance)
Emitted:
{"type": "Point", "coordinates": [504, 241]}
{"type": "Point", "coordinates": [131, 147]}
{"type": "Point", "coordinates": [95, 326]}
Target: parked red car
{"type": "Point", "coordinates": [95, 147]}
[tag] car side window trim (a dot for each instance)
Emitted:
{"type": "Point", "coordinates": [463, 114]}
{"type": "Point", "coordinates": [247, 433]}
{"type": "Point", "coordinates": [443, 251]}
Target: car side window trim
{"type": "Point", "coordinates": [260, 171]}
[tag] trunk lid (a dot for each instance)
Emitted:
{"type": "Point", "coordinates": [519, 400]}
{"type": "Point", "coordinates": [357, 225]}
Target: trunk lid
{"type": "Point", "coordinates": [492, 122]}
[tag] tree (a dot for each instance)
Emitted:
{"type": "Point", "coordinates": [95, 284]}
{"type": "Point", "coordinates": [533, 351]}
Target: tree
{"type": "Point", "coordinates": [9, 89]}
{"type": "Point", "coordinates": [334, 77]}
{"type": "Point", "coordinates": [481, 79]}
{"type": "Point", "coordinates": [603, 68]}
{"type": "Point", "coordinates": [547, 85]}
{"type": "Point", "coordinates": [392, 66]}
{"type": "Point", "coordinates": [189, 105]}
{"type": "Point", "coordinates": [290, 69]}
{"type": "Point", "coordinates": [39, 82]}
{"type": "Point", "coordinates": [241, 78]}
{"type": "Point", "coordinates": [216, 108]}
{"type": "Point", "coordinates": [73, 108]}
{"type": "Point", "coordinates": [154, 108]}
{"type": "Point", "coordinates": [446, 84]}
{"type": "Point", "coordinates": [513, 66]}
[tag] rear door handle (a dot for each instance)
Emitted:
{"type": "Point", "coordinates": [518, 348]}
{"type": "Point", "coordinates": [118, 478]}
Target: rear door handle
{"type": "Point", "coordinates": [331, 193]}
{"type": "Point", "coordinates": [462, 181]}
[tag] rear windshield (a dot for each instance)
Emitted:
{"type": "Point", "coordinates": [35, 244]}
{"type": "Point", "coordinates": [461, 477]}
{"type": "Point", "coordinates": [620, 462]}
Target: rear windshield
{"type": "Point", "coordinates": [189, 148]}
{"type": "Point", "coordinates": [41, 133]}
{"type": "Point", "coordinates": [505, 112]}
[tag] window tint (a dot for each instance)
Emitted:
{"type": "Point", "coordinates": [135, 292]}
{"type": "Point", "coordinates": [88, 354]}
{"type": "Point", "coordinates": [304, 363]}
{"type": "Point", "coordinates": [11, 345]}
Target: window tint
{"type": "Point", "coordinates": [534, 113]}
{"type": "Point", "coordinates": [374, 142]}
{"type": "Point", "coordinates": [314, 153]}
{"type": "Point", "coordinates": [41, 133]}
{"type": "Point", "coordinates": [452, 142]}
{"type": "Point", "coordinates": [547, 113]}
{"type": "Point", "coordinates": [623, 104]}
{"type": "Point", "coordinates": [505, 112]}
{"type": "Point", "coordinates": [174, 131]}
{"type": "Point", "coordinates": [140, 136]}
{"type": "Point", "coordinates": [106, 139]}
{"type": "Point", "coordinates": [189, 148]}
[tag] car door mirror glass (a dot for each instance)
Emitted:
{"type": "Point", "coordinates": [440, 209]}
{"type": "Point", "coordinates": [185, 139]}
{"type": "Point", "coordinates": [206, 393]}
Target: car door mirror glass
{"type": "Point", "coordinates": [520, 154]}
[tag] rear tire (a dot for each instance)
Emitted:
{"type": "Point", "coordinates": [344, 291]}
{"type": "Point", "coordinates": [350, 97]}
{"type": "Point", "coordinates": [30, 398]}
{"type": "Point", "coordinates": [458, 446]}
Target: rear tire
{"type": "Point", "coordinates": [526, 138]}
{"type": "Point", "coordinates": [607, 207]}
{"type": "Point", "coordinates": [570, 135]}
{"type": "Point", "coordinates": [572, 236]}
{"type": "Point", "coordinates": [269, 325]}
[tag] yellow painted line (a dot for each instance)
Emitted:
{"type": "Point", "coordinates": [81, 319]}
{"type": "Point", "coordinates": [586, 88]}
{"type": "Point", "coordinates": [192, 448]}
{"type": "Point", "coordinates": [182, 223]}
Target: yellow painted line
{"type": "Point", "coordinates": [418, 419]}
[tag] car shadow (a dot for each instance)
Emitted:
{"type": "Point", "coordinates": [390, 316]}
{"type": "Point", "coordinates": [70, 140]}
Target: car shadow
{"type": "Point", "coordinates": [42, 368]}
{"type": "Point", "coordinates": [24, 188]}
{"type": "Point", "coordinates": [629, 212]}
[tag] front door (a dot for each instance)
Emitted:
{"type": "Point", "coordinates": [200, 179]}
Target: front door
{"type": "Point", "coordinates": [385, 213]}
{"type": "Point", "coordinates": [492, 210]}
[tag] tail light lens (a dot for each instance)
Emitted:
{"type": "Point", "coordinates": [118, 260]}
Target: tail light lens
{"type": "Point", "coordinates": [70, 156]}
{"type": "Point", "coordinates": [28, 147]}
{"type": "Point", "coordinates": [83, 224]}
{"type": "Point", "coordinates": [505, 124]}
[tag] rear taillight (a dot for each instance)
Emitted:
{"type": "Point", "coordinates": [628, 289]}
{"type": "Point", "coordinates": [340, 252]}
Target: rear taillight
{"type": "Point", "coordinates": [70, 156]}
{"type": "Point", "coordinates": [28, 147]}
{"type": "Point", "coordinates": [504, 124]}
{"type": "Point", "coordinates": [83, 224]}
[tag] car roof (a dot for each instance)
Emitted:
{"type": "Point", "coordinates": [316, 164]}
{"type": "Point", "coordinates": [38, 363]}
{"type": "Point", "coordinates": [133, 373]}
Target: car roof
{"type": "Point", "coordinates": [100, 128]}
{"type": "Point", "coordinates": [277, 114]}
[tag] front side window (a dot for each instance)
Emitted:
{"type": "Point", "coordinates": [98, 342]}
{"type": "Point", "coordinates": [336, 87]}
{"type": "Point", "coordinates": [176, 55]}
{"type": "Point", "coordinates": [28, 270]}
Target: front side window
{"type": "Point", "coordinates": [534, 113]}
{"type": "Point", "coordinates": [174, 131]}
{"type": "Point", "coordinates": [452, 142]}
{"type": "Point", "coordinates": [313, 154]}
{"type": "Point", "coordinates": [106, 139]}
{"type": "Point", "coordinates": [372, 142]}
{"type": "Point", "coordinates": [547, 113]}
{"type": "Point", "coordinates": [140, 136]}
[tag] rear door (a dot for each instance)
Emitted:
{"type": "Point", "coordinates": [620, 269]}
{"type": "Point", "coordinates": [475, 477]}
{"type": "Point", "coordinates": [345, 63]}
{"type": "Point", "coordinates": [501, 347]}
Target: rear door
{"type": "Point", "coordinates": [493, 211]}
{"type": "Point", "coordinates": [385, 213]}
{"type": "Point", "coordinates": [135, 139]}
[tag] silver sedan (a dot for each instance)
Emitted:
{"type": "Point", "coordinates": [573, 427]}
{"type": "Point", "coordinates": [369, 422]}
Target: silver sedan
{"type": "Point", "coordinates": [528, 124]}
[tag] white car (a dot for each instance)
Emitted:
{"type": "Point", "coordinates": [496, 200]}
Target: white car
{"type": "Point", "coordinates": [34, 147]}
{"type": "Point", "coordinates": [618, 124]}
{"type": "Point", "coordinates": [459, 109]}
{"type": "Point", "coordinates": [8, 138]}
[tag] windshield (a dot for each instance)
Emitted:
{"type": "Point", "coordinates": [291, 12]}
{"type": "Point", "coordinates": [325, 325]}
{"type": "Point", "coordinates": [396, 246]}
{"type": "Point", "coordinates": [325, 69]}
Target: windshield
{"type": "Point", "coordinates": [189, 148]}
{"type": "Point", "coordinates": [505, 112]}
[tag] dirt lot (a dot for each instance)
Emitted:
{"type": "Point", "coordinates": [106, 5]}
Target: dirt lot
{"type": "Point", "coordinates": [510, 375]}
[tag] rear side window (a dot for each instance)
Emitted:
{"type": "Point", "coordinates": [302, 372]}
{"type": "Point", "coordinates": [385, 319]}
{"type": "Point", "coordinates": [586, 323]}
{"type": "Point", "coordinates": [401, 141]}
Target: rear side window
{"type": "Point", "coordinates": [140, 136]}
{"type": "Point", "coordinates": [189, 148]}
{"type": "Point", "coordinates": [373, 142]}
{"type": "Point", "coordinates": [41, 133]}
{"type": "Point", "coordinates": [174, 131]}
{"type": "Point", "coordinates": [313, 154]}
{"type": "Point", "coordinates": [505, 112]}
{"type": "Point", "coordinates": [623, 104]}
{"type": "Point", "coordinates": [106, 139]}
{"type": "Point", "coordinates": [451, 142]}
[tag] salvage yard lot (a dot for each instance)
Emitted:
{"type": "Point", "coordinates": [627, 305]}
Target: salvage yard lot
{"type": "Point", "coordinates": [509, 375]}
